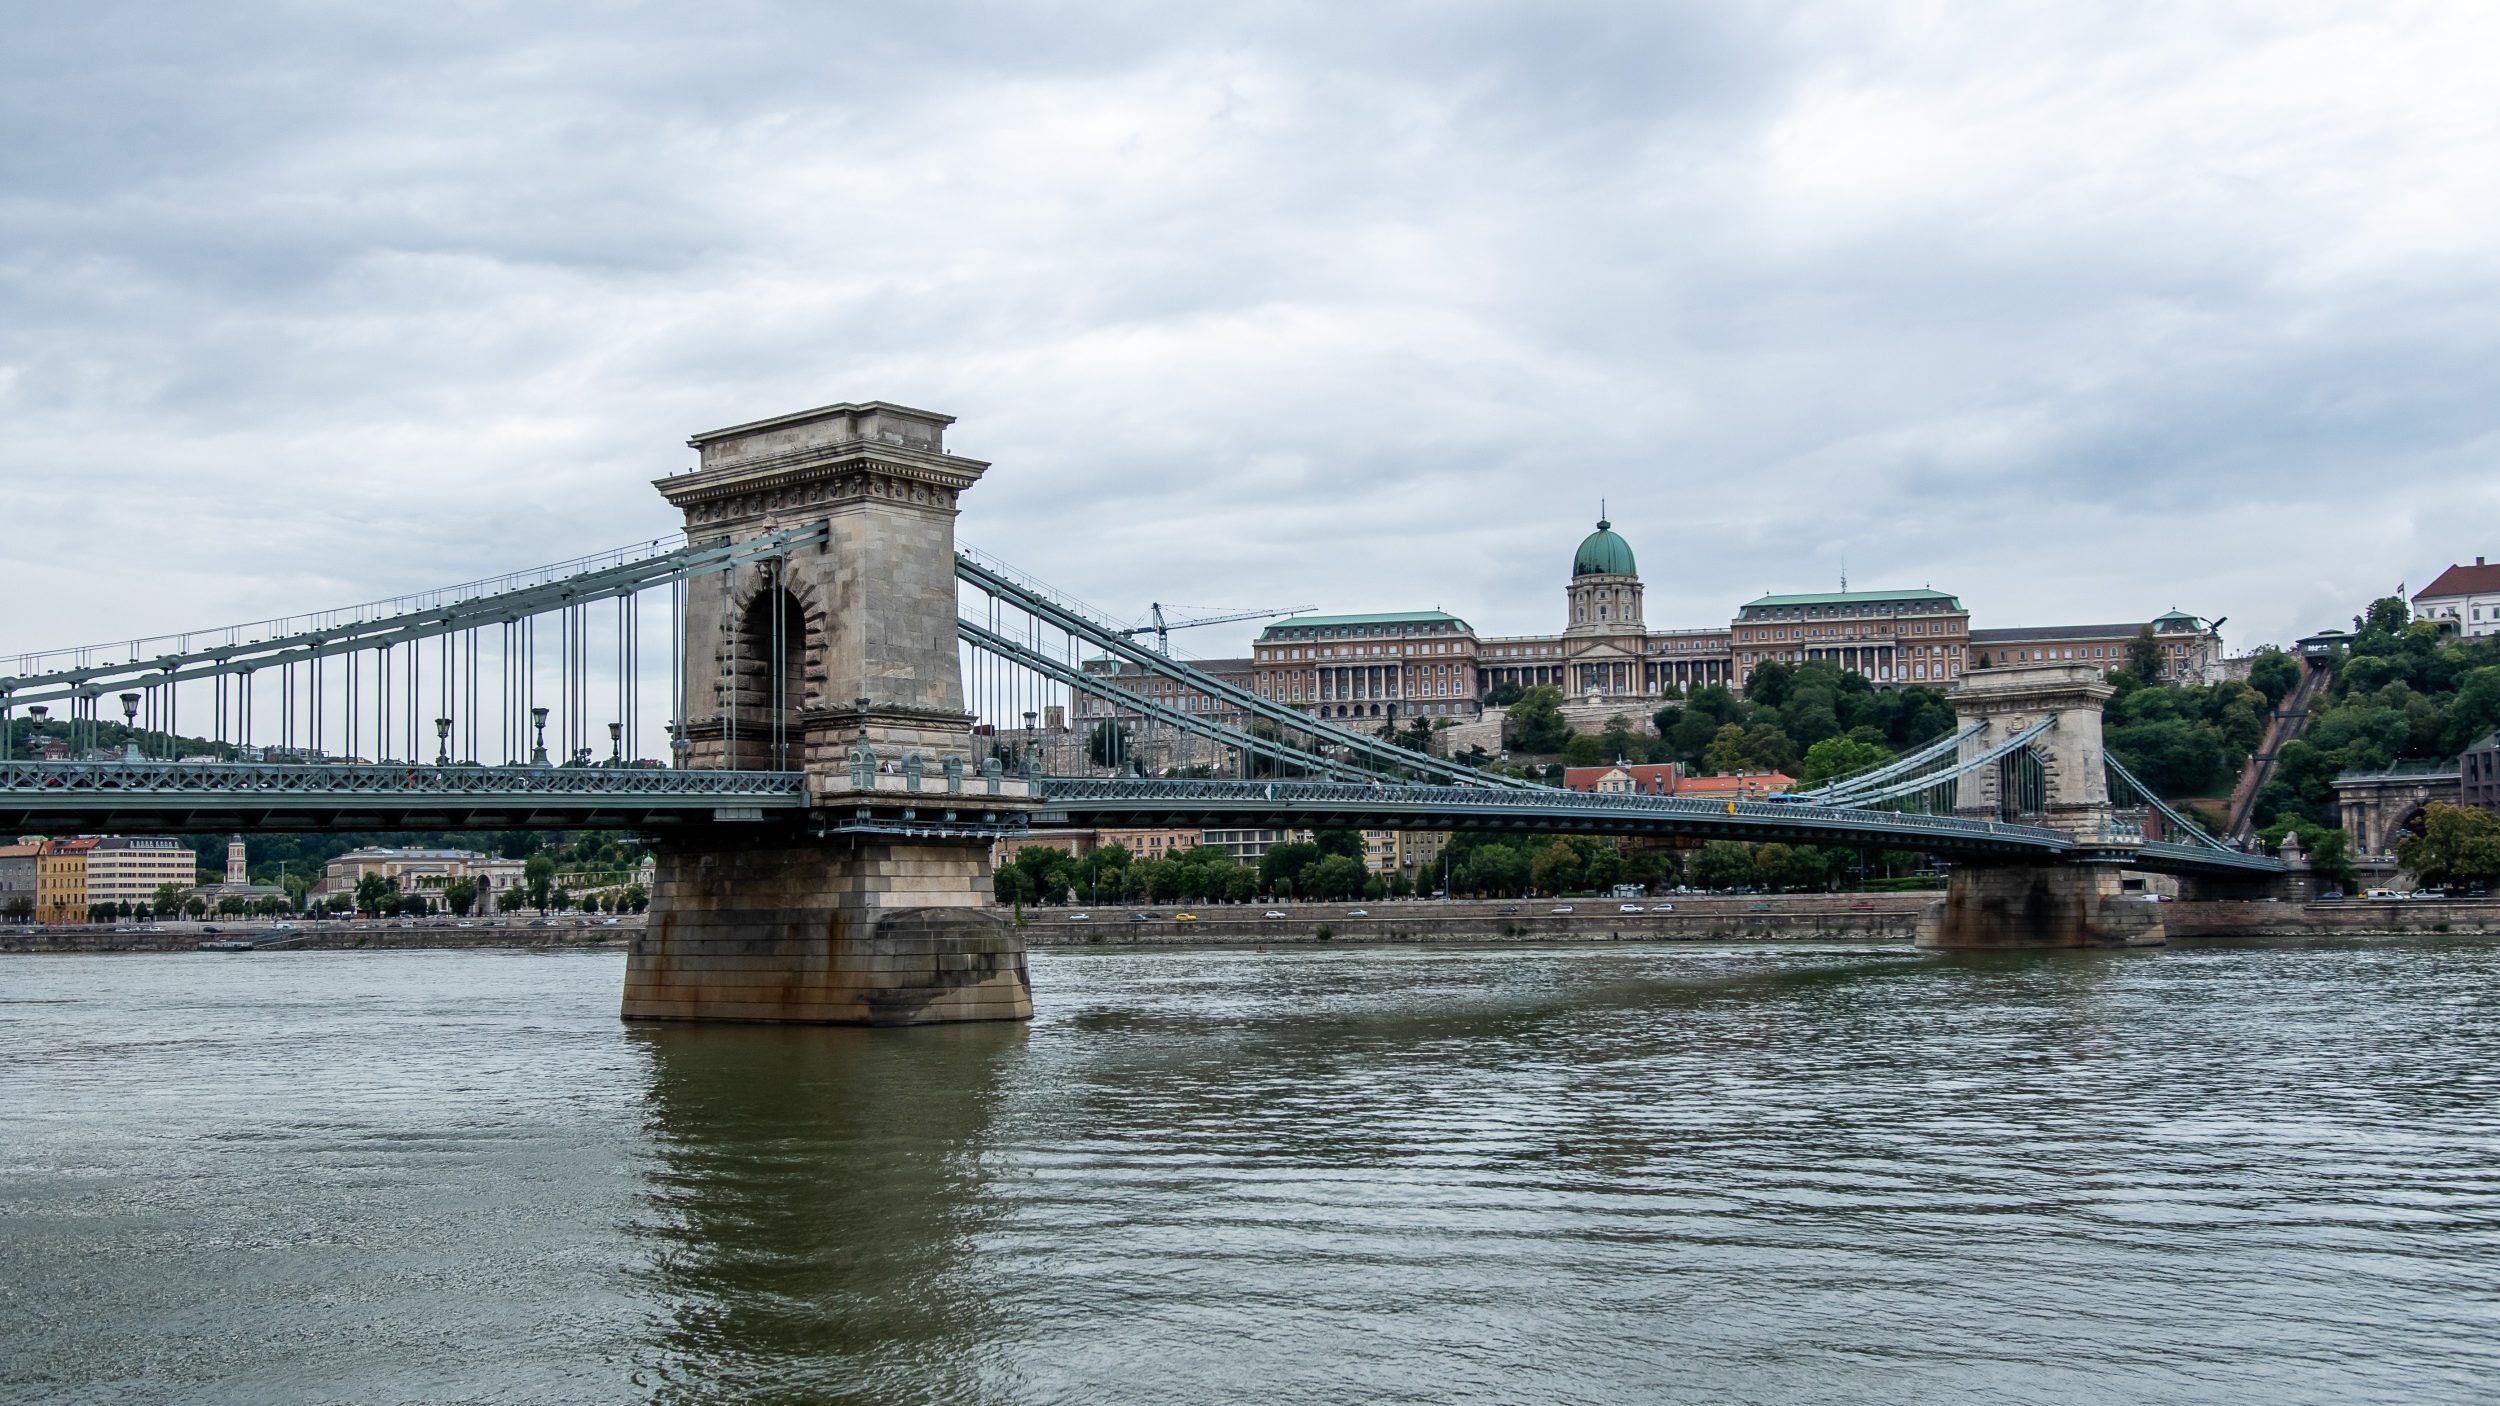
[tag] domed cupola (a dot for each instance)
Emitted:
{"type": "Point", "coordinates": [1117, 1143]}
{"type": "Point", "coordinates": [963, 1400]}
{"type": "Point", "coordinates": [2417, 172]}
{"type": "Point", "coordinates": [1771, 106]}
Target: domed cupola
{"type": "Point", "coordinates": [1605, 588]}
{"type": "Point", "coordinates": [1602, 553]}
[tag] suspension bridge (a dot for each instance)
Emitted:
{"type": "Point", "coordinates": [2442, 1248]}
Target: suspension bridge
{"type": "Point", "coordinates": [822, 710]}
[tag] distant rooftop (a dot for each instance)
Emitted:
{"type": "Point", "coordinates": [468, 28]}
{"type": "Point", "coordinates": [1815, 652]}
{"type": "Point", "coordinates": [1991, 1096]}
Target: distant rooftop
{"type": "Point", "coordinates": [1386, 617]}
{"type": "Point", "coordinates": [2475, 580]}
{"type": "Point", "coordinates": [2025, 634]}
{"type": "Point", "coordinates": [1855, 598]}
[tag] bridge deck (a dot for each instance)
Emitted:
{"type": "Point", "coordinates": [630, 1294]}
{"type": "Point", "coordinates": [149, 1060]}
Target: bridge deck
{"type": "Point", "coordinates": [1309, 805]}
{"type": "Point", "coordinates": [191, 797]}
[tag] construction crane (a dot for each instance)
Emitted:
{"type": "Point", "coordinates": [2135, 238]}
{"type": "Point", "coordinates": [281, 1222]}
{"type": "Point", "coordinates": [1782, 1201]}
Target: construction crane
{"type": "Point", "coordinates": [1162, 629]}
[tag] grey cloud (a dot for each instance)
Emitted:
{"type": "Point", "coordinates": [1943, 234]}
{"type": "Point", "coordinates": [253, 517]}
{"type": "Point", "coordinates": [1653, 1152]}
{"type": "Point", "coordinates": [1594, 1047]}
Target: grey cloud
{"type": "Point", "coordinates": [1365, 306]}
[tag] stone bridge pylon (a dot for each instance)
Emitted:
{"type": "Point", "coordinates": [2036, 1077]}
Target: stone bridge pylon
{"type": "Point", "coordinates": [2060, 779]}
{"type": "Point", "coordinates": [836, 658]}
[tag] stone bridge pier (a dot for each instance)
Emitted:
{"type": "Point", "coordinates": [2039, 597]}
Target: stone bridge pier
{"type": "Point", "coordinates": [2075, 901]}
{"type": "Point", "coordinates": [839, 660]}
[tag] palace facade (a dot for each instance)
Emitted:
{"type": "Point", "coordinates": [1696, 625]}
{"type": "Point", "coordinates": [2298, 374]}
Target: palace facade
{"type": "Point", "coordinates": [1429, 664]}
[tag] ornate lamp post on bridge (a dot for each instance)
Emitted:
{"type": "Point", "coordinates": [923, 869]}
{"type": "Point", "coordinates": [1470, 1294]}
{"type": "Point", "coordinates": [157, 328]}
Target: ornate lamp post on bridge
{"type": "Point", "coordinates": [130, 727]}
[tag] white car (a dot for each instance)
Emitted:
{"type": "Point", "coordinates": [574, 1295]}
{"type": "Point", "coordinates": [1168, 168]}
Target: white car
{"type": "Point", "coordinates": [1273, 913]}
{"type": "Point", "coordinates": [1080, 917]}
{"type": "Point", "coordinates": [1631, 908]}
{"type": "Point", "coordinates": [1358, 912]}
{"type": "Point", "coordinates": [1560, 908]}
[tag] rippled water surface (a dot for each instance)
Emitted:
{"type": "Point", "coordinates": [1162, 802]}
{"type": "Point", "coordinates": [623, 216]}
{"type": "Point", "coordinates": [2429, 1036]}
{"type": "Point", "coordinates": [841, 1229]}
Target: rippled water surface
{"type": "Point", "coordinates": [1587, 1175]}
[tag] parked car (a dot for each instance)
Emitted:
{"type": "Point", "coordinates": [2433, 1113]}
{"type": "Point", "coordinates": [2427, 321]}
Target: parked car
{"type": "Point", "coordinates": [1631, 908]}
{"type": "Point", "coordinates": [212, 929]}
{"type": "Point", "coordinates": [1272, 913]}
{"type": "Point", "coordinates": [2426, 893]}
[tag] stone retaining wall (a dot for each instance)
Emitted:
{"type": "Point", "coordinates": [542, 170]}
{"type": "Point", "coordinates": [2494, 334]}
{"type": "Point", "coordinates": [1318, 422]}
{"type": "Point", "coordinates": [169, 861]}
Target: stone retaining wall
{"type": "Point", "coordinates": [2187, 920]}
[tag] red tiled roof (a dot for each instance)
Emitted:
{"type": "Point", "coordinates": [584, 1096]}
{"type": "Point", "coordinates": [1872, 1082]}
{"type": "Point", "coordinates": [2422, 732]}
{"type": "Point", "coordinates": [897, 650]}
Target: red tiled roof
{"type": "Point", "coordinates": [2477, 579]}
{"type": "Point", "coordinates": [1656, 778]}
{"type": "Point", "coordinates": [1749, 783]}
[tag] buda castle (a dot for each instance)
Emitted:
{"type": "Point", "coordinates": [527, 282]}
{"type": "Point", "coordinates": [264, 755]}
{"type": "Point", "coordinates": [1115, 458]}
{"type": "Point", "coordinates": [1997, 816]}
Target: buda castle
{"type": "Point", "coordinates": [1429, 664]}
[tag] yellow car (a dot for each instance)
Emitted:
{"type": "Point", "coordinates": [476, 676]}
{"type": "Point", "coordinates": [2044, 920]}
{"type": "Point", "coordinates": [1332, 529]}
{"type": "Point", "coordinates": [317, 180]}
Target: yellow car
{"type": "Point", "coordinates": [1184, 917]}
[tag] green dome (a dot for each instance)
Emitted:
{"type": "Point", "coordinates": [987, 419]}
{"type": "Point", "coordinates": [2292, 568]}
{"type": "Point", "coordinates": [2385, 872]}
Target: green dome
{"type": "Point", "coordinates": [1602, 553]}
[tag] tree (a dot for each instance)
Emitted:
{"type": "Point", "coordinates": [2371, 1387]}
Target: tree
{"type": "Point", "coordinates": [1496, 869]}
{"type": "Point", "coordinates": [538, 877]}
{"type": "Point", "coordinates": [1535, 723]}
{"type": "Point", "coordinates": [1284, 869]}
{"type": "Point", "coordinates": [511, 900]}
{"type": "Point", "coordinates": [1769, 682]}
{"type": "Point", "coordinates": [1588, 749]}
{"type": "Point", "coordinates": [2458, 845]}
{"type": "Point", "coordinates": [2175, 757]}
{"type": "Point", "coordinates": [1336, 877]}
{"type": "Point", "coordinates": [460, 895]}
{"type": "Point", "coordinates": [1502, 695]}
{"type": "Point", "coordinates": [1723, 864]}
{"type": "Point", "coordinates": [195, 907]}
{"type": "Point", "coordinates": [167, 900]}
{"type": "Point", "coordinates": [2144, 656]}
{"type": "Point", "coordinates": [377, 893]}
{"type": "Point", "coordinates": [1108, 745]}
{"type": "Point", "coordinates": [2274, 674]}
{"type": "Point", "coordinates": [18, 908]}
{"type": "Point", "coordinates": [1835, 757]}
{"type": "Point", "coordinates": [1619, 741]}
{"type": "Point", "coordinates": [1557, 868]}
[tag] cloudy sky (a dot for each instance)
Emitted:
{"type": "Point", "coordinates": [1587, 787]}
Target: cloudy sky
{"type": "Point", "coordinates": [2080, 311]}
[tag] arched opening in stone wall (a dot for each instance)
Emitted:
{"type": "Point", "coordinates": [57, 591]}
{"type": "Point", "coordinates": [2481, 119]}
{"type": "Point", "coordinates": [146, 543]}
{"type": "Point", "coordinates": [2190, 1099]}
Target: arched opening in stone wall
{"type": "Point", "coordinates": [765, 681]}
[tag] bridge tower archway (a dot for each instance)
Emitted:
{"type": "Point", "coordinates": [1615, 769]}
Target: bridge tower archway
{"type": "Point", "coordinates": [769, 685]}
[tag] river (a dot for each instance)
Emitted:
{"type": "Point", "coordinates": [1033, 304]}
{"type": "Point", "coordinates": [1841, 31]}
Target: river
{"type": "Point", "coordinates": [1584, 1174]}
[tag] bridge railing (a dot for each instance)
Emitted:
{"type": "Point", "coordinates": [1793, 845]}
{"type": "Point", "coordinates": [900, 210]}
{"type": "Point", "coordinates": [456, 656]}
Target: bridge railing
{"type": "Point", "coordinates": [321, 779]}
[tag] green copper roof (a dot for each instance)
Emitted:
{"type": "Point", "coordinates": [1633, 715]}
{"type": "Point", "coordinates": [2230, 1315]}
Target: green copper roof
{"type": "Point", "coordinates": [1852, 598]}
{"type": "Point", "coordinates": [1602, 553]}
{"type": "Point", "coordinates": [1386, 617]}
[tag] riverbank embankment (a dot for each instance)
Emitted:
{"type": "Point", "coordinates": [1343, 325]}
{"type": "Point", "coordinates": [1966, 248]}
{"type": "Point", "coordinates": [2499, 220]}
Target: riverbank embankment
{"type": "Point", "coordinates": [1882, 917]}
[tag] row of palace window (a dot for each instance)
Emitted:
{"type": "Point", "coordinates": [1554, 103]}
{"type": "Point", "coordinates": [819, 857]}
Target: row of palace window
{"type": "Point", "coordinates": [1366, 650]}
{"type": "Point", "coordinates": [1838, 632]}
